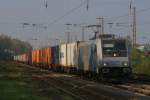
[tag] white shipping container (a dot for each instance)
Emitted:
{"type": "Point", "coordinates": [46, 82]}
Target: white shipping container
{"type": "Point", "coordinates": [99, 53]}
{"type": "Point", "coordinates": [15, 58]}
{"type": "Point", "coordinates": [87, 57]}
{"type": "Point", "coordinates": [84, 56]}
{"type": "Point", "coordinates": [19, 58]}
{"type": "Point", "coordinates": [72, 54]}
{"type": "Point", "coordinates": [23, 58]}
{"type": "Point", "coordinates": [63, 54]}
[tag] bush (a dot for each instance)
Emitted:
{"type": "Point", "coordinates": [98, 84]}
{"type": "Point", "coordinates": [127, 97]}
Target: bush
{"type": "Point", "coordinates": [140, 64]}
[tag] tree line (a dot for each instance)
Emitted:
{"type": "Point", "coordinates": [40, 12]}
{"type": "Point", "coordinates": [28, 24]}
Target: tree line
{"type": "Point", "coordinates": [10, 46]}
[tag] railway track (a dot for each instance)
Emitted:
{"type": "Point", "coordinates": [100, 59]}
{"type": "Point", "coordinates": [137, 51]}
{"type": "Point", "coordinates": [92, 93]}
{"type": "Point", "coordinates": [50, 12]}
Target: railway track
{"type": "Point", "coordinates": [142, 88]}
{"type": "Point", "coordinates": [137, 85]}
{"type": "Point", "coordinates": [89, 90]}
{"type": "Point", "coordinates": [73, 88]}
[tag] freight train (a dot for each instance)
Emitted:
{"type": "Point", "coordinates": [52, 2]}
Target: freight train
{"type": "Point", "coordinates": [103, 57]}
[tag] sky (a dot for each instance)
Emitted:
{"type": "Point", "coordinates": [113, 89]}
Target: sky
{"type": "Point", "coordinates": [47, 25]}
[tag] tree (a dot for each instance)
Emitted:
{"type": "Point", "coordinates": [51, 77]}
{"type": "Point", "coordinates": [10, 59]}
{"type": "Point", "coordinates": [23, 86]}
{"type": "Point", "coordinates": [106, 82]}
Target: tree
{"type": "Point", "coordinates": [10, 47]}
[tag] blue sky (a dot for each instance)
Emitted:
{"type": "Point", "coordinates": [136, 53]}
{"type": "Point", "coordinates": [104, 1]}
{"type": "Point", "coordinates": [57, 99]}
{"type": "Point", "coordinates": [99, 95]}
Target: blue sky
{"type": "Point", "coordinates": [15, 12]}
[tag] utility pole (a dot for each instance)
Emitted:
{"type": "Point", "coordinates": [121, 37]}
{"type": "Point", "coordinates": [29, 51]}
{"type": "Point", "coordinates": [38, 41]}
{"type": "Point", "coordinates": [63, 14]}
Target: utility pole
{"type": "Point", "coordinates": [68, 33]}
{"type": "Point", "coordinates": [96, 32]}
{"type": "Point", "coordinates": [83, 29]}
{"type": "Point", "coordinates": [133, 15]}
{"type": "Point", "coordinates": [101, 24]}
{"type": "Point", "coordinates": [83, 33]}
{"type": "Point", "coordinates": [134, 26]}
{"type": "Point", "coordinates": [110, 26]}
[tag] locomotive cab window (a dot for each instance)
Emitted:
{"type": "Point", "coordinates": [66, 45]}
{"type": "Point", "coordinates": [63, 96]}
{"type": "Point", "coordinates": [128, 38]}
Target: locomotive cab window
{"type": "Point", "coordinates": [114, 48]}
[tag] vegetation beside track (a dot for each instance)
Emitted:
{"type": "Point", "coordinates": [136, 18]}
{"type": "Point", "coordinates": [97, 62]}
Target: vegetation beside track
{"type": "Point", "coordinates": [10, 47]}
{"type": "Point", "coordinates": [17, 83]}
{"type": "Point", "coordinates": [140, 63]}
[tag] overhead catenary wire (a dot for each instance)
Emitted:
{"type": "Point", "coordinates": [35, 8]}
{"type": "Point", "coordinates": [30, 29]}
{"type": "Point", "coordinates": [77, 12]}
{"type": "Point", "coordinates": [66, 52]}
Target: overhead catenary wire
{"type": "Point", "coordinates": [79, 6]}
{"type": "Point", "coordinates": [69, 12]}
{"type": "Point", "coordinates": [126, 15]}
{"type": "Point", "coordinates": [83, 3]}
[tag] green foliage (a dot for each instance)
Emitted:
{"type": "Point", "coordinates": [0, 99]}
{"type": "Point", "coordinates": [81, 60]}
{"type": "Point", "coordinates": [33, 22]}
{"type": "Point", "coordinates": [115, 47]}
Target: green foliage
{"type": "Point", "coordinates": [140, 63]}
{"type": "Point", "coordinates": [9, 47]}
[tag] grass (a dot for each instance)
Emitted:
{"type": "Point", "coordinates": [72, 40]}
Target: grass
{"type": "Point", "coordinates": [140, 63]}
{"type": "Point", "coordinates": [16, 83]}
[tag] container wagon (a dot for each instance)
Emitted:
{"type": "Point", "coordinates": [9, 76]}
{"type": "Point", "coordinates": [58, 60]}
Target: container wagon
{"type": "Point", "coordinates": [72, 53]}
{"type": "Point", "coordinates": [46, 58]}
{"type": "Point", "coordinates": [55, 64]}
{"type": "Point", "coordinates": [87, 61]}
{"type": "Point", "coordinates": [103, 57]}
{"type": "Point", "coordinates": [36, 57]}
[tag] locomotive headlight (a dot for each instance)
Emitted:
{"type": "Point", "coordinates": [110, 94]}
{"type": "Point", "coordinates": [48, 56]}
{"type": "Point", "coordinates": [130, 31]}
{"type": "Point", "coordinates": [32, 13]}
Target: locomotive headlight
{"type": "Point", "coordinates": [105, 64]}
{"type": "Point", "coordinates": [114, 54]}
{"type": "Point", "coordinates": [125, 63]}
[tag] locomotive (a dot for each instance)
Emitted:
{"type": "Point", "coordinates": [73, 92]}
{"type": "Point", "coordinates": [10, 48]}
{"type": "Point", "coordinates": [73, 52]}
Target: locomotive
{"type": "Point", "coordinates": [103, 57]}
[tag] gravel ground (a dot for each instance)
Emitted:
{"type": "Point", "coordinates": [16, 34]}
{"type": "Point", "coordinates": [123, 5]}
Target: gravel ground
{"type": "Point", "coordinates": [90, 90]}
{"type": "Point", "coordinates": [57, 86]}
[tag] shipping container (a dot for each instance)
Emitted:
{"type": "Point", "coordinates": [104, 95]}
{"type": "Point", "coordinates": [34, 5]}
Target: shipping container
{"type": "Point", "coordinates": [33, 57]}
{"type": "Point", "coordinates": [55, 55]}
{"type": "Point", "coordinates": [72, 60]}
{"type": "Point", "coordinates": [40, 58]}
{"type": "Point", "coordinates": [46, 57]}
{"type": "Point", "coordinates": [87, 57]}
{"type": "Point", "coordinates": [29, 58]}
{"type": "Point", "coordinates": [19, 58]}
{"type": "Point", "coordinates": [15, 58]}
{"type": "Point", "coordinates": [24, 58]}
{"type": "Point", "coordinates": [63, 55]}
{"type": "Point", "coordinates": [36, 57]}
